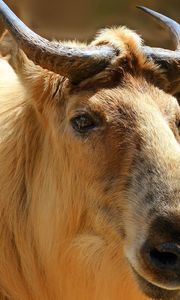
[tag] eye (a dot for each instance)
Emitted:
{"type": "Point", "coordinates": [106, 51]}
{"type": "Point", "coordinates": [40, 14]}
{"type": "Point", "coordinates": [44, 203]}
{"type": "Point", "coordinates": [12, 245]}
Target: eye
{"type": "Point", "coordinates": [83, 123]}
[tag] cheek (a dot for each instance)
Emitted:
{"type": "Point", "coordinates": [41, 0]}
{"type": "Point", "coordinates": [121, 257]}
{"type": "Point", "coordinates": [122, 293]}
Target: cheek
{"type": "Point", "coordinates": [102, 164]}
{"type": "Point", "coordinates": [105, 164]}
{"type": "Point", "coordinates": [81, 160]}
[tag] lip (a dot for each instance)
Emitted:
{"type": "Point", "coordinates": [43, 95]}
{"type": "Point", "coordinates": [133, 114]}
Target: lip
{"type": "Point", "coordinates": [154, 291]}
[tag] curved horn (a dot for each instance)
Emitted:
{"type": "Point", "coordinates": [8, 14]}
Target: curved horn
{"type": "Point", "coordinates": [169, 60]}
{"type": "Point", "coordinates": [172, 26]}
{"type": "Point", "coordinates": [72, 62]}
{"type": "Point", "coordinates": [174, 29]}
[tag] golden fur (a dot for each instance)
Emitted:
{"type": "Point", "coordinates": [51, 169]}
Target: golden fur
{"type": "Point", "coordinates": [66, 211]}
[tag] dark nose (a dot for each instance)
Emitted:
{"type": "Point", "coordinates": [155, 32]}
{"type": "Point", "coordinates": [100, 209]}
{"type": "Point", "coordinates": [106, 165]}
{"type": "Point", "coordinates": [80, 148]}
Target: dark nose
{"type": "Point", "coordinates": [165, 256]}
{"type": "Point", "coordinates": [161, 251]}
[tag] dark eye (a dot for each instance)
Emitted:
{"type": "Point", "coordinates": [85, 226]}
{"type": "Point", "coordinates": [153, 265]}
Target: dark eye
{"type": "Point", "coordinates": [83, 123]}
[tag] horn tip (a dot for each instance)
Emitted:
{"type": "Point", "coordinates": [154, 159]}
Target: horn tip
{"type": "Point", "coordinates": [152, 13]}
{"type": "Point", "coordinates": [143, 8]}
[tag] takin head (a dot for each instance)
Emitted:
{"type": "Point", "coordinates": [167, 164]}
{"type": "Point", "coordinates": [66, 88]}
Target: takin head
{"type": "Point", "coordinates": [101, 158]}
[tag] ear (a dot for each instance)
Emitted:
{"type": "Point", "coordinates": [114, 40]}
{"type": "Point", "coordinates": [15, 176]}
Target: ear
{"type": "Point", "coordinates": [9, 49]}
{"type": "Point", "coordinates": [16, 57]}
{"type": "Point", "coordinates": [32, 76]}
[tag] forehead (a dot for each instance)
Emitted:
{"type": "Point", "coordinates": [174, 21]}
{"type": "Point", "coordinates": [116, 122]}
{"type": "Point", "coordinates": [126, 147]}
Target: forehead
{"type": "Point", "coordinates": [136, 95]}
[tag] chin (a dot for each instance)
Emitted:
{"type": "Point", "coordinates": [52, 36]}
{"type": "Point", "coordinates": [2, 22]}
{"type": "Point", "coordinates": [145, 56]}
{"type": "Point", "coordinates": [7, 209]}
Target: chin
{"type": "Point", "coordinates": [154, 291]}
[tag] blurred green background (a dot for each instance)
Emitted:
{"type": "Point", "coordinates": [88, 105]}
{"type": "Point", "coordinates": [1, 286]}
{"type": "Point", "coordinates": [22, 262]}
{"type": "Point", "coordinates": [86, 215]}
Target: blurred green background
{"type": "Point", "coordinates": [80, 19]}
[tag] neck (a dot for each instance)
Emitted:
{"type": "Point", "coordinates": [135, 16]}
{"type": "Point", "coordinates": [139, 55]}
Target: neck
{"type": "Point", "coordinates": [41, 256]}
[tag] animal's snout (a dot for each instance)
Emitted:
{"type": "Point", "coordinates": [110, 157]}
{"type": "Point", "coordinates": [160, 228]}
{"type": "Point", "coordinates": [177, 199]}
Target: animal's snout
{"type": "Point", "coordinates": [161, 251]}
{"type": "Point", "coordinates": [165, 256]}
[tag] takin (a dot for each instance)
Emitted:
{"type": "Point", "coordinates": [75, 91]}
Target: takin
{"type": "Point", "coordinates": [89, 166]}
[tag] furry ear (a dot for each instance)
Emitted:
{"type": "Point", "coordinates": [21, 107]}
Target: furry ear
{"type": "Point", "coordinates": [28, 73]}
{"type": "Point", "coordinates": [15, 56]}
{"type": "Point", "coordinates": [9, 49]}
{"type": "Point", "coordinates": [40, 83]}
{"type": "Point", "coordinates": [6, 44]}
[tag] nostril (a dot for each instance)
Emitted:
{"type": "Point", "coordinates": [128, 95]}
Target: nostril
{"type": "Point", "coordinates": [166, 255]}
{"type": "Point", "coordinates": [161, 262]}
{"type": "Point", "coordinates": [163, 258]}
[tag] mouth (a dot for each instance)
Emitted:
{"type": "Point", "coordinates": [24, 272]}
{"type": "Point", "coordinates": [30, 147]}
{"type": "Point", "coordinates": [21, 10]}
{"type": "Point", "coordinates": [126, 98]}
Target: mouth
{"type": "Point", "coordinates": [154, 291]}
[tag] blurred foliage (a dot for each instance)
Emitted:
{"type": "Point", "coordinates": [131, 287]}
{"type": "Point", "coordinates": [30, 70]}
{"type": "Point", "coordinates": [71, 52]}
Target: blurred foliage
{"type": "Point", "coordinates": [80, 19]}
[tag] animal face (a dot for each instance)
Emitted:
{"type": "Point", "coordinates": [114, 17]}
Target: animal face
{"type": "Point", "coordinates": [122, 149]}
{"type": "Point", "coordinates": [102, 150]}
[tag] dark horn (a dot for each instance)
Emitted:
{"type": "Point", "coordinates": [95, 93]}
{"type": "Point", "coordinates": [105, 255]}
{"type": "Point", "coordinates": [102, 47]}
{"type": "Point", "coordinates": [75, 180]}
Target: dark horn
{"type": "Point", "coordinates": [172, 26]}
{"type": "Point", "coordinates": [168, 60]}
{"type": "Point", "coordinates": [174, 29]}
{"type": "Point", "coordinates": [72, 62]}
